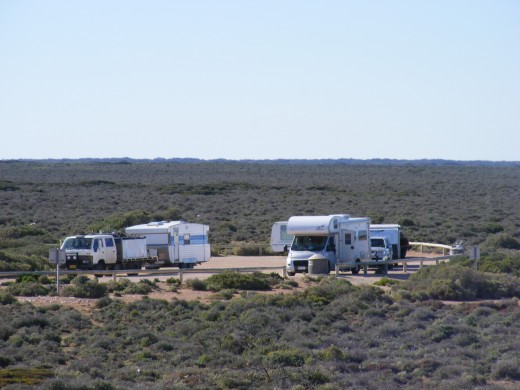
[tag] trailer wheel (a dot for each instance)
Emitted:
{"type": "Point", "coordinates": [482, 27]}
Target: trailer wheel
{"type": "Point", "coordinates": [291, 273]}
{"type": "Point", "coordinates": [356, 269]}
{"type": "Point", "coordinates": [134, 266]}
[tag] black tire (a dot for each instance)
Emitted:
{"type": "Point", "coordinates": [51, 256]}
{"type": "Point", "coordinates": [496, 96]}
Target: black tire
{"type": "Point", "coordinates": [100, 266]}
{"type": "Point", "coordinates": [291, 273]}
{"type": "Point", "coordinates": [356, 270]}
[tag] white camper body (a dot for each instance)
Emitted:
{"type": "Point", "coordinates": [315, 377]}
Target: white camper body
{"type": "Point", "coordinates": [337, 238]}
{"type": "Point", "coordinates": [175, 243]}
{"type": "Point", "coordinates": [280, 240]}
{"type": "Point", "coordinates": [102, 251]}
{"type": "Point", "coordinates": [393, 234]}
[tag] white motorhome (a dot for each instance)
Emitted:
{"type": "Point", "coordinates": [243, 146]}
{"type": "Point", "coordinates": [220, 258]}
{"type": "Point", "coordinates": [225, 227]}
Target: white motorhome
{"type": "Point", "coordinates": [280, 240]}
{"type": "Point", "coordinates": [337, 238]}
{"type": "Point", "coordinates": [175, 243]}
{"type": "Point", "coordinates": [395, 237]}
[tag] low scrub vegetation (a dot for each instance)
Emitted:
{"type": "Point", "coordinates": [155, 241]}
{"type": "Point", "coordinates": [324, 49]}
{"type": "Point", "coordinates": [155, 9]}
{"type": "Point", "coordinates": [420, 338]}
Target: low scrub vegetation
{"type": "Point", "coordinates": [240, 202]}
{"type": "Point", "coordinates": [332, 334]}
{"type": "Point", "coordinates": [456, 282]}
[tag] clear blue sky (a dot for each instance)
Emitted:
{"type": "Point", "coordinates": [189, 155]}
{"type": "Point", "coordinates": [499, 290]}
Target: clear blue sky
{"type": "Point", "coordinates": [260, 79]}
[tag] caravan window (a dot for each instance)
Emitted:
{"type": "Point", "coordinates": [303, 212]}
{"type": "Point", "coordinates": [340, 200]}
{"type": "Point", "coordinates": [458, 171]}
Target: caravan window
{"type": "Point", "coordinates": [348, 239]}
{"type": "Point", "coordinates": [187, 239]}
{"type": "Point", "coordinates": [362, 235]}
{"type": "Point", "coordinates": [283, 233]}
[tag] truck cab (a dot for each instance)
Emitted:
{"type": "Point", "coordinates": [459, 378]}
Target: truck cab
{"type": "Point", "coordinates": [380, 248]}
{"type": "Point", "coordinates": [304, 247]}
{"type": "Point", "coordinates": [93, 251]}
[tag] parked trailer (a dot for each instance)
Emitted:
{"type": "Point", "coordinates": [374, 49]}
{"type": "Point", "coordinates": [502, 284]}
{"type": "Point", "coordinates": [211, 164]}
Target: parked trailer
{"type": "Point", "coordinates": [339, 239]}
{"type": "Point", "coordinates": [175, 243]}
{"type": "Point", "coordinates": [280, 240]}
{"type": "Point", "coordinates": [105, 251]}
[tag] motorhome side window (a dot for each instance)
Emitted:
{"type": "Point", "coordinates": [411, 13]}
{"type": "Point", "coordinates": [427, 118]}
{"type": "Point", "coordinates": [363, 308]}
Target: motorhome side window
{"type": "Point", "coordinates": [362, 235]}
{"type": "Point", "coordinates": [348, 239]}
{"type": "Point", "coordinates": [187, 239]}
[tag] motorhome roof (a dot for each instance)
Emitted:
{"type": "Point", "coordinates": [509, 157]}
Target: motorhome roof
{"type": "Point", "coordinates": [316, 224]}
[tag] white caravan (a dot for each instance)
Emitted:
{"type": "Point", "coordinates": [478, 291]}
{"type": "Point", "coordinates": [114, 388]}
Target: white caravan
{"type": "Point", "coordinates": [337, 238]}
{"type": "Point", "coordinates": [280, 240]}
{"type": "Point", "coordinates": [175, 243]}
{"type": "Point", "coordinates": [394, 236]}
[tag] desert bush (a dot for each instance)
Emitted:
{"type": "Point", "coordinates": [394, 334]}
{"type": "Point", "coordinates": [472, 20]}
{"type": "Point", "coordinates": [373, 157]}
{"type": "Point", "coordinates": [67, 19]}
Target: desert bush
{"type": "Point", "coordinates": [501, 241]}
{"type": "Point", "coordinates": [455, 282]}
{"type": "Point", "coordinates": [6, 298]}
{"type": "Point", "coordinates": [386, 282]}
{"type": "Point", "coordinates": [197, 284]}
{"type": "Point", "coordinates": [285, 358]}
{"type": "Point", "coordinates": [226, 294]}
{"type": "Point", "coordinates": [507, 370]}
{"type": "Point", "coordinates": [140, 287]}
{"type": "Point", "coordinates": [238, 281]}
{"type": "Point", "coordinates": [27, 278]}
{"type": "Point", "coordinates": [28, 289]}
{"type": "Point", "coordinates": [81, 288]}
{"type": "Point", "coordinates": [327, 290]}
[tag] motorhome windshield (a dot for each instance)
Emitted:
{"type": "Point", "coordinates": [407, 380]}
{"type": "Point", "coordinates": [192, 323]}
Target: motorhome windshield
{"type": "Point", "coordinates": [377, 242]}
{"type": "Point", "coordinates": [309, 243]}
{"type": "Point", "coordinates": [77, 243]}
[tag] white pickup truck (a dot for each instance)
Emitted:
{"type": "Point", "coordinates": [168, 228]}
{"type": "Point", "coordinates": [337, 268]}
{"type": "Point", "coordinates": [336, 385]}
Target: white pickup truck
{"type": "Point", "coordinates": [104, 251]}
{"type": "Point", "coordinates": [380, 248]}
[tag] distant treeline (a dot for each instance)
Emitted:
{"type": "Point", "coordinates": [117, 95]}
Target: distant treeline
{"type": "Point", "coordinates": [344, 161]}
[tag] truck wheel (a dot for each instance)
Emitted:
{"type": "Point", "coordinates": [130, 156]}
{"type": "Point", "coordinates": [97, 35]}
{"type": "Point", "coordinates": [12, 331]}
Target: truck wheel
{"type": "Point", "coordinates": [356, 269]}
{"type": "Point", "coordinates": [291, 273]}
{"type": "Point", "coordinates": [100, 266]}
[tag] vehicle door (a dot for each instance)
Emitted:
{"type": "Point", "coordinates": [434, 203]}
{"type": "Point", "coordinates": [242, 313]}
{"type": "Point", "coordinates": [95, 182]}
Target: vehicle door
{"type": "Point", "coordinates": [347, 246]}
{"type": "Point", "coordinates": [110, 251]}
{"type": "Point", "coordinates": [331, 251]}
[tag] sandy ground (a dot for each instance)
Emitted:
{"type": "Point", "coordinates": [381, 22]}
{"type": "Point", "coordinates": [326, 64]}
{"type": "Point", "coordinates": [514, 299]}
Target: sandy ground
{"type": "Point", "coordinates": [269, 263]}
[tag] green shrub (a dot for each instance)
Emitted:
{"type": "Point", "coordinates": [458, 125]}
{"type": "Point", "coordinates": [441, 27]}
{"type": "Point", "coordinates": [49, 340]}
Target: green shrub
{"type": "Point", "coordinates": [232, 280]}
{"type": "Point", "coordinates": [6, 298]}
{"type": "Point", "coordinates": [502, 241]}
{"type": "Point", "coordinates": [508, 370]}
{"type": "Point", "coordinates": [328, 289]}
{"type": "Point", "coordinates": [224, 294]}
{"type": "Point", "coordinates": [456, 282]}
{"type": "Point", "coordinates": [24, 376]}
{"type": "Point", "coordinates": [88, 289]}
{"type": "Point", "coordinates": [386, 282]}
{"type": "Point", "coordinates": [174, 284]}
{"type": "Point", "coordinates": [27, 278]}
{"type": "Point", "coordinates": [28, 289]}
{"type": "Point", "coordinates": [197, 284]}
{"type": "Point", "coordinates": [138, 288]}
{"type": "Point", "coordinates": [286, 358]}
